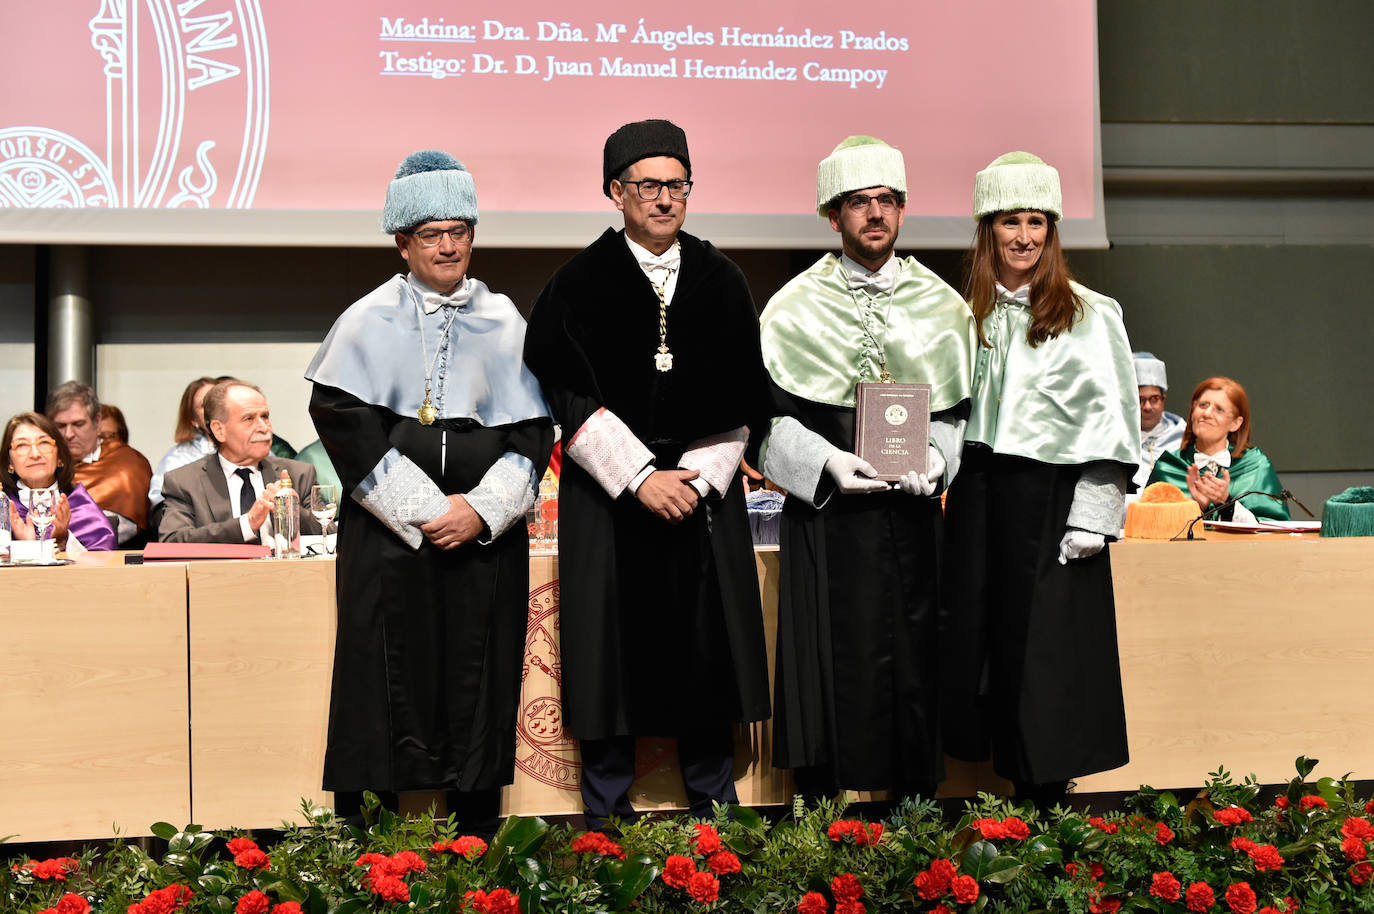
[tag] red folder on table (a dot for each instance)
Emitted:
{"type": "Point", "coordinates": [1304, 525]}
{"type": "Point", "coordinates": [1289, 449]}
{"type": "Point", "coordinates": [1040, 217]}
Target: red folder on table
{"type": "Point", "coordinates": [191, 552]}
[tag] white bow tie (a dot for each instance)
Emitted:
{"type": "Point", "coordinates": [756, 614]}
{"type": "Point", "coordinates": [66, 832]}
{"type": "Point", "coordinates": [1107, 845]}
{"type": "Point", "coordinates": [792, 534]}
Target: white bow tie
{"type": "Point", "coordinates": [458, 298]}
{"type": "Point", "coordinates": [1020, 297]}
{"type": "Point", "coordinates": [875, 282]}
{"type": "Point", "coordinates": [1221, 460]}
{"type": "Point", "coordinates": [668, 261]}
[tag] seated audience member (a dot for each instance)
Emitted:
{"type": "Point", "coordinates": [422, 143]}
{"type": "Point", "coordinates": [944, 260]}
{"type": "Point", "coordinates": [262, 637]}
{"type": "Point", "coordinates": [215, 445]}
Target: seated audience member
{"type": "Point", "coordinates": [112, 424]}
{"type": "Point", "coordinates": [115, 475]}
{"type": "Point", "coordinates": [1217, 462]}
{"type": "Point", "coordinates": [1160, 431]}
{"type": "Point", "coordinates": [36, 457]}
{"type": "Point", "coordinates": [191, 436]}
{"type": "Point", "coordinates": [227, 496]}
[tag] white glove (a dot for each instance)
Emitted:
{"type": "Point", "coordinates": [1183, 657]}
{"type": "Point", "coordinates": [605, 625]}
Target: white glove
{"type": "Point", "coordinates": [914, 483]}
{"type": "Point", "coordinates": [852, 474]}
{"type": "Point", "coordinates": [1079, 544]}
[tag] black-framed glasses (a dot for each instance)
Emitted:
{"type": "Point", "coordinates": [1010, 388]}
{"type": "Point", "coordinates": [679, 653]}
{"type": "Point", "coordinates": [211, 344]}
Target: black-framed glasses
{"type": "Point", "coordinates": [887, 202]}
{"type": "Point", "coordinates": [650, 188]}
{"type": "Point", "coordinates": [1151, 400]}
{"type": "Point", "coordinates": [429, 237]}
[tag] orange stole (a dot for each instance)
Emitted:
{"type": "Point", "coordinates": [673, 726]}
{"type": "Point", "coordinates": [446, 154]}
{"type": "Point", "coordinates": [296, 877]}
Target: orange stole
{"type": "Point", "coordinates": [119, 481]}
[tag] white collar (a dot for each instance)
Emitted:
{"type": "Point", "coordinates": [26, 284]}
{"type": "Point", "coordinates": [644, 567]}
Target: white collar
{"type": "Point", "coordinates": [94, 455]}
{"type": "Point", "coordinates": [648, 261]}
{"type": "Point", "coordinates": [883, 279]}
{"type": "Point", "coordinates": [231, 469]}
{"type": "Point", "coordinates": [432, 300]}
{"type": "Point", "coordinates": [1020, 297]}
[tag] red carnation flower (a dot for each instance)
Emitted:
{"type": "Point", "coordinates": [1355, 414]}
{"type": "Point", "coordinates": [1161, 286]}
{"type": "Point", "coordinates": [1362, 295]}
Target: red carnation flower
{"type": "Point", "coordinates": [944, 869]}
{"type": "Point", "coordinates": [1163, 834]}
{"type": "Point", "coordinates": [252, 859]}
{"type": "Point", "coordinates": [470, 846]}
{"type": "Point", "coordinates": [1369, 807]}
{"type": "Point", "coordinates": [965, 889]}
{"type": "Point", "coordinates": [1355, 827]}
{"type": "Point", "coordinates": [239, 845]}
{"type": "Point", "coordinates": [1242, 843]}
{"type": "Point", "coordinates": [1281, 802]}
{"type": "Point", "coordinates": [1199, 897]}
{"type": "Point", "coordinates": [707, 840]}
{"type": "Point", "coordinates": [930, 886]}
{"type": "Point", "coordinates": [1103, 825]}
{"type": "Point", "coordinates": [56, 868]}
{"type": "Point", "coordinates": [1104, 906]}
{"type": "Point", "coordinates": [1266, 857]}
{"type": "Point", "coordinates": [846, 887]}
{"type": "Point", "coordinates": [1354, 849]}
{"type": "Point", "coordinates": [163, 901]}
{"type": "Point", "coordinates": [1312, 800]}
{"type": "Point", "coordinates": [1166, 886]}
{"type": "Point", "coordinates": [594, 842]}
{"type": "Point", "coordinates": [255, 902]}
{"type": "Point", "coordinates": [875, 833]}
{"type": "Point", "coordinates": [677, 870]}
{"type": "Point", "coordinates": [1233, 815]}
{"type": "Point", "coordinates": [850, 907]}
{"type": "Point", "coordinates": [704, 887]}
{"type": "Point", "coordinates": [1360, 872]}
{"type": "Point", "coordinates": [287, 907]}
{"type": "Point", "coordinates": [409, 862]}
{"type": "Point", "coordinates": [941, 908]}
{"type": "Point", "coordinates": [72, 904]}
{"type": "Point", "coordinates": [1241, 898]}
{"type": "Point", "coordinates": [812, 903]}
{"type": "Point", "coordinates": [500, 901]}
{"type": "Point", "coordinates": [722, 862]}
{"type": "Point", "coordinates": [991, 829]}
{"type": "Point", "coordinates": [1015, 828]}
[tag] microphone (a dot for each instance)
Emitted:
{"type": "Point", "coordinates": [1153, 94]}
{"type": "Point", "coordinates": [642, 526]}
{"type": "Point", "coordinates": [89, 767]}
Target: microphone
{"type": "Point", "coordinates": [1283, 496]}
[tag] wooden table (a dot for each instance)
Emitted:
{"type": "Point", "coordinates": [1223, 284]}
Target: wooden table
{"type": "Point", "coordinates": [1241, 650]}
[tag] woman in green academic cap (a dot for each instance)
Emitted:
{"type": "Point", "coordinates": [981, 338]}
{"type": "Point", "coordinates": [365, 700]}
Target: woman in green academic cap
{"type": "Point", "coordinates": [1217, 462]}
{"type": "Point", "coordinates": [1031, 671]}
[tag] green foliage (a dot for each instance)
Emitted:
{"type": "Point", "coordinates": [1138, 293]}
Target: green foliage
{"type": "Point", "coordinates": [1019, 859]}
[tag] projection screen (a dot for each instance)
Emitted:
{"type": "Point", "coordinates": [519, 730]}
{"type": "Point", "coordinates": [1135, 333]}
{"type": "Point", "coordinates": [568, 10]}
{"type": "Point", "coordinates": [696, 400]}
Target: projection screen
{"type": "Point", "coordinates": [247, 122]}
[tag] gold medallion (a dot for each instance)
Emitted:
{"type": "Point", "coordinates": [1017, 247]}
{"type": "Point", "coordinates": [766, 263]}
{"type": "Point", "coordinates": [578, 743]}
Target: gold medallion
{"type": "Point", "coordinates": [663, 359]}
{"type": "Point", "coordinates": [427, 412]}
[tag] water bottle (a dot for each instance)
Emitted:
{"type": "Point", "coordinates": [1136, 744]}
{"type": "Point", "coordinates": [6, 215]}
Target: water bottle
{"type": "Point", "coordinates": [286, 520]}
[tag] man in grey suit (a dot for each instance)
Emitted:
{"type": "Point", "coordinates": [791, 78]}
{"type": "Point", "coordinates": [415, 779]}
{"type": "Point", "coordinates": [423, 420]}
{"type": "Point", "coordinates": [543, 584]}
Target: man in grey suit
{"type": "Point", "coordinates": [227, 496]}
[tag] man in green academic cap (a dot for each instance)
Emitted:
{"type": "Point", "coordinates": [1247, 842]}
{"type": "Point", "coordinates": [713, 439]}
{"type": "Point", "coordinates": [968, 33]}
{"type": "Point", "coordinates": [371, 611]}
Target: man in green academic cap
{"type": "Point", "coordinates": [855, 677]}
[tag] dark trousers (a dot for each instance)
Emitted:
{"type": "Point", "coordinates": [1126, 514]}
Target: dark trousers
{"type": "Point", "coordinates": [706, 758]}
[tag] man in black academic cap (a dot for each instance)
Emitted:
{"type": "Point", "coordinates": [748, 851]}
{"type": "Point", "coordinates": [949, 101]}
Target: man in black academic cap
{"type": "Point", "coordinates": [647, 347]}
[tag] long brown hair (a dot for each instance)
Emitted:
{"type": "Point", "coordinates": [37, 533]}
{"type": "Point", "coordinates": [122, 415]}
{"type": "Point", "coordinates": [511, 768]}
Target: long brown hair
{"type": "Point", "coordinates": [186, 412]}
{"type": "Point", "coordinates": [65, 469]}
{"type": "Point", "coordinates": [1054, 306]}
{"type": "Point", "coordinates": [1240, 438]}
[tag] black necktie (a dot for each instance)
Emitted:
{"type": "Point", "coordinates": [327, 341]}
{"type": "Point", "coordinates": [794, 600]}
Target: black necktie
{"type": "Point", "coordinates": [247, 496]}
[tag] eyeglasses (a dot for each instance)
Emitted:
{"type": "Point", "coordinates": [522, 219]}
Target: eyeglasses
{"type": "Point", "coordinates": [430, 237]}
{"type": "Point", "coordinates": [858, 203]}
{"type": "Point", "coordinates": [650, 188]}
{"type": "Point", "coordinates": [1151, 400]}
{"type": "Point", "coordinates": [42, 445]}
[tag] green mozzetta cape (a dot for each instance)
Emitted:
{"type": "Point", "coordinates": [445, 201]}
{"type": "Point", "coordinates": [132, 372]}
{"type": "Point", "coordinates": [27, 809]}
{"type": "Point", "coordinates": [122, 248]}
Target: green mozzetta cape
{"type": "Point", "coordinates": [1252, 472]}
{"type": "Point", "coordinates": [815, 346]}
{"type": "Point", "coordinates": [1070, 400]}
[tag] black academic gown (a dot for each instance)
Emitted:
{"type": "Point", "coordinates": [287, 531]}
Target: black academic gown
{"type": "Point", "coordinates": [661, 626]}
{"type": "Point", "coordinates": [430, 644]}
{"type": "Point", "coordinates": [857, 660]}
{"type": "Point", "coordinates": [1029, 659]}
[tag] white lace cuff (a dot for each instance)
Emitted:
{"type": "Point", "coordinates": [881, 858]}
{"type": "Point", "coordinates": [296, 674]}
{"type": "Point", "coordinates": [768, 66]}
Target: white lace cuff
{"type": "Point", "coordinates": [717, 457]}
{"type": "Point", "coordinates": [1099, 500]}
{"type": "Point", "coordinates": [794, 457]}
{"type": "Point", "coordinates": [506, 492]}
{"type": "Point", "coordinates": [400, 495]}
{"type": "Point", "coordinates": [606, 448]}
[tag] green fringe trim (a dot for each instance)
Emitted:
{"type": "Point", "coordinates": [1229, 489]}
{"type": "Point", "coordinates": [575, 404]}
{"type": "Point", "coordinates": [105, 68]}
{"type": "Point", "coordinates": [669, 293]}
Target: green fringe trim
{"type": "Point", "coordinates": [1350, 513]}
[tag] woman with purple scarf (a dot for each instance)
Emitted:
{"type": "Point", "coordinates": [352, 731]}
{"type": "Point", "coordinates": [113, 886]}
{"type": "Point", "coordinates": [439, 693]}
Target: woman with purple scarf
{"type": "Point", "coordinates": [33, 457]}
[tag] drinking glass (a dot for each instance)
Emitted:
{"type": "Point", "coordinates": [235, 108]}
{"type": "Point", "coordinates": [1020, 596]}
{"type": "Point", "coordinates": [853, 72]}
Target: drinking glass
{"type": "Point", "coordinates": [324, 505]}
{"type": "Point", "coordinates": [43, 512]}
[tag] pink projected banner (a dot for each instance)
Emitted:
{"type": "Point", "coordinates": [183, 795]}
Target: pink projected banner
{"type": "Point", "coordinates": [301, 108]}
